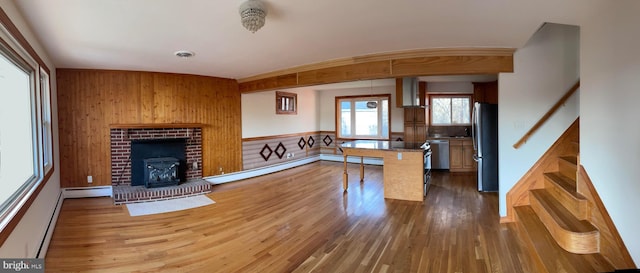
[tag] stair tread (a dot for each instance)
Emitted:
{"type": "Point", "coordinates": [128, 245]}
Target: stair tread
{"type": "Point", "coordinates": [570, 158]}
{"type": "Point", "coordinates": [551, 255]}
{"type": "Point", "coordinates": [563, 217]}
{"type": "Point", "coordinates": [566, 183]}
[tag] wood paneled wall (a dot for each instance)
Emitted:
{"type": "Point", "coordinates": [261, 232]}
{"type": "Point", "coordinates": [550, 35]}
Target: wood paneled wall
{"type": "Point", "coordinates": [90, 100]}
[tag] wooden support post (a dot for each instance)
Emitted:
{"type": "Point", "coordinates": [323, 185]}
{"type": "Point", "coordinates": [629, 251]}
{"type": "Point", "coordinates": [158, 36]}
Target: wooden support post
{"type": "Point", "coordinates": [361, 169]}
{"type": "Point", "coordinates": [345, 176]}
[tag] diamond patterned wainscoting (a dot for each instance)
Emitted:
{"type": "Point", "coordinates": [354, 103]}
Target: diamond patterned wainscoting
{"type": "Point", "coordinates": [269, 150]}
{"type": "Point", "coordinates": [265, 151]}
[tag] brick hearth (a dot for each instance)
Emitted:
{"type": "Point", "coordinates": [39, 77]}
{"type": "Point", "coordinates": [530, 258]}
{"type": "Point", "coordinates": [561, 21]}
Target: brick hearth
{"type": "Point", "coordinates": [125, 194]}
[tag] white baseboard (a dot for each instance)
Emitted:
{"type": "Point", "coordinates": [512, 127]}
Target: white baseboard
{"type": "Point", "coordinates": [44, 245]}
{"type": "Point", "coordinates": [219, 179]}
{"type": "Point", "coordinates": [87, 192]}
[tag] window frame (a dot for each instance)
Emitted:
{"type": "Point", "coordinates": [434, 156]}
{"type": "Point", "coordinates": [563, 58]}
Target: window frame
{"type": "Point", "coordinates": [452, 95]}
{"type": "Point", "coordinates": [338, 99]}
{"type": "Point", "coordinates": [17, 49]}
{"type": "Point", "coordinates": [286, 103]}
{"type": "Point", "coordinates": [46, 120]}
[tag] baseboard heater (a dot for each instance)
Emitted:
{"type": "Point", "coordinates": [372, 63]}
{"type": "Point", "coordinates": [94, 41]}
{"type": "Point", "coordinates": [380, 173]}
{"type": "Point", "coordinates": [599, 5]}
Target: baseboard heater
{"type": "Point", "coordinates": [219, 179]}
{"type": "Point", "coordinates": [230, 177]}
{"type": "Point", "coordinates": [46, 239]}
{"type": "Point", "coordinates": [99, 191]}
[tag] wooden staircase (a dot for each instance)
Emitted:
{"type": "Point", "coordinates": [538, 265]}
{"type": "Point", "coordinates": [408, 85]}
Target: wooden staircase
{"type": "Point", "coordinates": [555, 223]}
{"type": "Point", "coordinates": [560, 216]}
{"type": "Point", "coordinates": [558, 211]}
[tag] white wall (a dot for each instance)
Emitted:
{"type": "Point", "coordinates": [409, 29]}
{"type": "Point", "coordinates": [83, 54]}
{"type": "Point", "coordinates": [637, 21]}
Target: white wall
{"type": "Point", "coordinates": [259, 114]}
{"type": "Point", "coordinates": [327, 105]}
{"type": "Point", "coordinates": [449, 87]}
{"type": "Point", "coordinates": [26, 238]}
{"type": "Point", "coordinates": [544, 69]}
{"type": "Point", "coordinates": [609, 99]}
{"type": "Point", "coordinates": [316, 108]}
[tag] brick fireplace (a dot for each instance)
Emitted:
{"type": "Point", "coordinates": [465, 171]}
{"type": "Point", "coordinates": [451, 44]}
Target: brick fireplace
{"type": "Point", "coordinates": [122, 137]}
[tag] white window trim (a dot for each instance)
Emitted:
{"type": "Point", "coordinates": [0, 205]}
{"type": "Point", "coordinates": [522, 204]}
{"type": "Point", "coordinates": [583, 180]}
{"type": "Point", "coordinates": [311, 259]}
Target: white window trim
{"type": "Point", "coordinates": [379, 98]}
{"type": "Point", "coordinates": [47, 134]}
{"type": "Point", "coordinates": [431, 97]}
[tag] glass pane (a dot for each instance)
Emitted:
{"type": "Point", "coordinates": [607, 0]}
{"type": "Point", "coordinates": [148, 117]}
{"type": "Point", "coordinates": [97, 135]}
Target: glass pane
{"type": "Point", "coordinates": [46, 118]}
{"type": "Point", "coordinates": [292, 104]}
{"type": "Point", "coordinates": [385, 118]}
{"type": "Point", "coordinates": [16, 135]}
{"type": "Point", "coordinates": [366, 119]}
{"type": "Point", "coordinates": [441, 110]}
{"type": "Point", "coordinates": [460, 112]}
{"type": "Point", "coordinates": [345, 118]}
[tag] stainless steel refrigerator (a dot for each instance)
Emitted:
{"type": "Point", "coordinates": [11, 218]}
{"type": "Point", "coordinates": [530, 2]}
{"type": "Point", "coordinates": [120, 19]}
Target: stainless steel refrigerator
{"type": "Point", "coordinates": [484, 128]}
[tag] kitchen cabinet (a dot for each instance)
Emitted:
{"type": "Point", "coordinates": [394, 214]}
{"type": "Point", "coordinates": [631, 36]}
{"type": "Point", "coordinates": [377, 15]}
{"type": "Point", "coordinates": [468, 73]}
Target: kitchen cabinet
{"type": "Point", "coordinates": [461, 155]}
{"type": "Point", "coordinates": [485, 92]}
{"type": "Point", "coordinates": [415, 125]}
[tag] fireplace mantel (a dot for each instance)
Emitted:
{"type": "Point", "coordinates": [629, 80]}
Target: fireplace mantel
{"type": "Point", "coordinates": [155, 125]}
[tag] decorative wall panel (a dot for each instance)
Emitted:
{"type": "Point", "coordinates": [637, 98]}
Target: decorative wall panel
{"type": "Point", "coordinates": [284, 148]}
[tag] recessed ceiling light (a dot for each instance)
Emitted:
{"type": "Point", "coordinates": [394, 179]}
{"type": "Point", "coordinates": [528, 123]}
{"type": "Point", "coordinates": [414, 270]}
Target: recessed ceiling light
{"type": "Point", "coordinates": [184, 53]}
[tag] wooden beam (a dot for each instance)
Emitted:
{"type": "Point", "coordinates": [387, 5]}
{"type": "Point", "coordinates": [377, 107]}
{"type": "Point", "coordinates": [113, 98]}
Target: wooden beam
{"type": "Point", "coordinates": [371, 70]}
{"type": "Point", "coordinates": [386, 65]}
{"type": "Point", "coordinates": [279, 81]}
{"type": "Point", "coordinates": [451, 65]}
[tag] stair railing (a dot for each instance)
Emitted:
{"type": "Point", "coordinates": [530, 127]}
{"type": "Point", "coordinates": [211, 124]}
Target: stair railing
{"type": "Point", "coordinates": [546, 116]}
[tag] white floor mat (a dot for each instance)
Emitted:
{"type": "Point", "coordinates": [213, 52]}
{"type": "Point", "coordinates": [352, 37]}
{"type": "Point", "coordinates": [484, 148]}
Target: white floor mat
{"type": "Point", "coordinates": [137, 209]}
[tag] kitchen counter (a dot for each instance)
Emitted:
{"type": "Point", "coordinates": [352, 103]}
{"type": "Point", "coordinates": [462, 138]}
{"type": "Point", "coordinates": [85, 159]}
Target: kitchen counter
{"type": "Point", "coordinates": [446, 137]}
{"type": "Point", "coordinates": [403, 166]}
{"type": "Point", "coordinates": [384, 145]}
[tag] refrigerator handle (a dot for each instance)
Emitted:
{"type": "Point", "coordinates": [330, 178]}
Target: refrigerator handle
{"type": "Point", "coordinates": [473, 127]}
{"type": "Point", "coordinates": [475, 157]}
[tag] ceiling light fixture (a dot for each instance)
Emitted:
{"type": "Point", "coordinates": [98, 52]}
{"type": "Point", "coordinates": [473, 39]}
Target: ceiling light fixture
{"type": "Point", "coordinates": [184, 53]}
{"type": "Point", "coordinates": [252, 14]}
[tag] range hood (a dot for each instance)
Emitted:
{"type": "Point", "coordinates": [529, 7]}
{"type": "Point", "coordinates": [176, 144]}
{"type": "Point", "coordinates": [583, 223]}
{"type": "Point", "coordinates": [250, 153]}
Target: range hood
{"type": "Point", "coordinates": [410, 93]}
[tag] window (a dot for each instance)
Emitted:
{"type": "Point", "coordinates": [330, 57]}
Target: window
{"type": "Point", "coordinates": [286, 103]}
{"type": "Point", "coordinates": [47, 138]}
{"type": "Point", "coordinates": [450, 110]}
{"type": "Point", "coordinates": [18, 139]}
{"type": "Point", "coordinates": [25, 125]}
{"type": "Point", "coordinates": [364, 117]}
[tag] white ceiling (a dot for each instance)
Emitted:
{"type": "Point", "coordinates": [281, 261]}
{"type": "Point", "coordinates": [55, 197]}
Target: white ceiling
{"type": "Point", "coordinates": [144, 34]}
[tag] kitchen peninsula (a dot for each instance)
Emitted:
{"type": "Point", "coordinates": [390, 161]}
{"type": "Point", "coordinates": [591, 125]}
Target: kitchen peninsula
{"type": "Point", "coordinates": [403, 170]}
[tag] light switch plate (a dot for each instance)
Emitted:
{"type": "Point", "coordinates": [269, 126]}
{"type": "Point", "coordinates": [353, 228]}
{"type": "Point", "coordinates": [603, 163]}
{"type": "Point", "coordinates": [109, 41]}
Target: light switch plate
{"type": "Point", "coordinates": [399, 156]}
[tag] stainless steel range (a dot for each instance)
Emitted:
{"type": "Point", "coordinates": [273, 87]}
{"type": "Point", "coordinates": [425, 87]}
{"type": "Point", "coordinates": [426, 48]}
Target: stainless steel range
{"type": "Point", "coordinates": [426, 151]}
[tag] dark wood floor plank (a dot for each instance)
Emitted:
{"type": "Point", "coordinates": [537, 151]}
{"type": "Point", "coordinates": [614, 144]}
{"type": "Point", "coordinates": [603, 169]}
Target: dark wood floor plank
{"type": "Point", "coordinates": [297, 220]}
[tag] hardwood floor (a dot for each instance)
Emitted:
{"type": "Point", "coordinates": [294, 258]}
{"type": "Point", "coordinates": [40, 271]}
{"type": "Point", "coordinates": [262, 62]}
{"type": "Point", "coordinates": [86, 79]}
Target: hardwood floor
{"type": "Point", "coordinates": [296, 220]}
